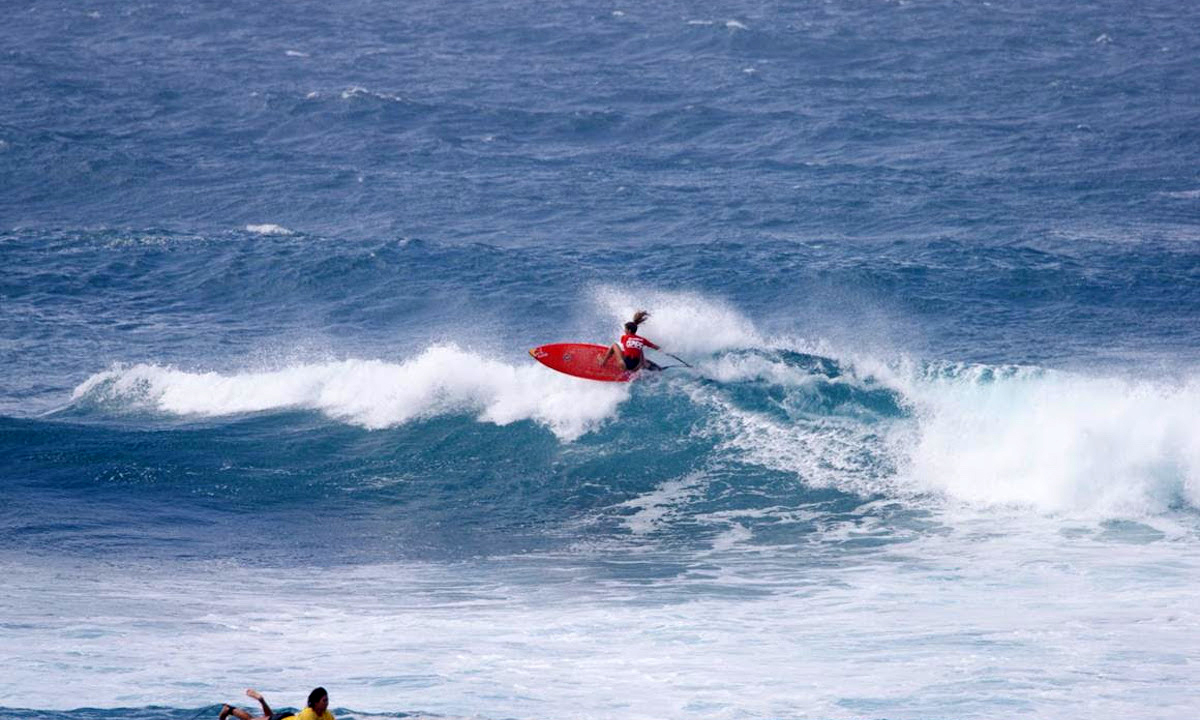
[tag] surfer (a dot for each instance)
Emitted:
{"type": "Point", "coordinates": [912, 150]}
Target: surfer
{"type": "Point", "coordinates": [240, 714]}
{"type": "Point", "coordinates": [318, 708]}
{"type": "Point", "coordinates": [629, 347]}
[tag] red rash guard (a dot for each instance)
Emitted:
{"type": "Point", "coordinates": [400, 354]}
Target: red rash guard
{"type": "Point", "coordinates": [631, 346]}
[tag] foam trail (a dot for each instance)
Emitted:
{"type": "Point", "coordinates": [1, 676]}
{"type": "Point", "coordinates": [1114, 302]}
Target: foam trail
{"type": "Point", "coordinates": [744, 367]}
{"type": "Point", "coordinates": [834, 452]}
{"type": "Point", "coordinates": [371, 393]}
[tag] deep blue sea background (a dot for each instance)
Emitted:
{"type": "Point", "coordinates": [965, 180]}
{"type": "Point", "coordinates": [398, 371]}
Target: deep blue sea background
{"type": "Point", "coordinates": [269, 273]}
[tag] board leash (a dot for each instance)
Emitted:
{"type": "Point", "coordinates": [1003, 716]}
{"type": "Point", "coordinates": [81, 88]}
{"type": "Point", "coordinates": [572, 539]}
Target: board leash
{"type": "Point", "coordinates": [676, 357]}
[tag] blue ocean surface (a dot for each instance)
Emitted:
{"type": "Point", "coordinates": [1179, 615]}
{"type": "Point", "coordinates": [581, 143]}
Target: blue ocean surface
{"type": "Point", "coordinates": [269, 273]}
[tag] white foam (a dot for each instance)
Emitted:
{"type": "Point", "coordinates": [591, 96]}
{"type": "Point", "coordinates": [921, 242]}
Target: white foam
{"type": "Point", "coordinates": [268, 229]}
{"type": "Point", "coordinates": [356, 91]}
{"type": "Point", "coordinates": [1065, 626]}
{"type": "Point", "coordinates": [372, 393]}
{"type": "Point", "coordinates": [733, 368]}
{"type": "Point", "coordinates": [736, 534]}
{"type": "Point", "coordinates": [986, 436]}
{"type": "Point", "coordinates": [830, 452]}
{"type": "Point", "coordinates": [1058, 442]}
{"type": "Point", "coordinates": [683, 323]}
{"type": "Point", "coordinates": [656, 506]}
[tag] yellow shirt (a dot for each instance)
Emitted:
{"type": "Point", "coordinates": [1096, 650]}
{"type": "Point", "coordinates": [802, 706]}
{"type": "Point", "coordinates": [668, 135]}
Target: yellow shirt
{"type": "Point", "coordinates": [308, 714]}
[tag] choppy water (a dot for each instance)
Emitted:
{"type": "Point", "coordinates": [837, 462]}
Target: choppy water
{"type": "Point", "coordinates": [268, 277]}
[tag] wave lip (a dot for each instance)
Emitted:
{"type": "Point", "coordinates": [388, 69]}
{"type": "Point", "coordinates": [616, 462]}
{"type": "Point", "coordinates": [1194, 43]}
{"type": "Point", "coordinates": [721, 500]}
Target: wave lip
{"type": "Point", "coordinates": [1057, 442]}
{"type": "Point", "coordinates": [373, 394]}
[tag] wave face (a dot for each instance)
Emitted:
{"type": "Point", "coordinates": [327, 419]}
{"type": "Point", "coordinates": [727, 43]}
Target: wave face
{"type": "Point", "coordinates": [269, 274]}
{"type": "Point", "coordinates": [985, 436]}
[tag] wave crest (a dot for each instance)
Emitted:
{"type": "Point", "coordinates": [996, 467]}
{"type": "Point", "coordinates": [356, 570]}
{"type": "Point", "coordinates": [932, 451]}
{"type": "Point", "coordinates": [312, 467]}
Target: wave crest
{"type": "Point", "coordinates": [1056, 441]}
{"type": "Point", "coordinates": [373, 394]}
{"type": "Point", "coordinates": [984, 436]}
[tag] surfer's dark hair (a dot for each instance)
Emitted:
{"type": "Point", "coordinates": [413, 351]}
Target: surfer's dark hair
{"type": "Point", "coordinates": [639, 317]}
{"type": "Point", "coordinates": [315, 696]}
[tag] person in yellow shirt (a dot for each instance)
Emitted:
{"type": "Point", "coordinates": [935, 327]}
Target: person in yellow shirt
{"type": "Point", "coordinates": [318, 708]}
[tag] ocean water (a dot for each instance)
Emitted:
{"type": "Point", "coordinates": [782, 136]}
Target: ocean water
{"type": "Point", "coordinates": [269, 272]}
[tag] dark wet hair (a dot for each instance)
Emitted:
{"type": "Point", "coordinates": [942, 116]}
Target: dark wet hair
{"type": "Point", "coordinates": [639, 317]}
{"type": "Point", "coordinates": [315, 696]}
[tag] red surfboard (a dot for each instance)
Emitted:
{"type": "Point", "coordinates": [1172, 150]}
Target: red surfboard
{"type": "Point", "coordinates": [582, 360]}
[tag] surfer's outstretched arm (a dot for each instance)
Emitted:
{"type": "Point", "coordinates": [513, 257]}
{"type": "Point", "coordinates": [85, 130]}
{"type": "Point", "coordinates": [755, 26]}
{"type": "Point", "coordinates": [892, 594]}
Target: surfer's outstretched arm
{"type": "Point", "coordinates": [612, 350]}
{"type": "Point", "coordinates": [237, 712]}
{"type": "Point", "coordinates": [261, 701]}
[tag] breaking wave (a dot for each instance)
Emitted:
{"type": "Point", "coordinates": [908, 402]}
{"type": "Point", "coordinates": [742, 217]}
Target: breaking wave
{"type": "Point", "coordinates": [985, 436]}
